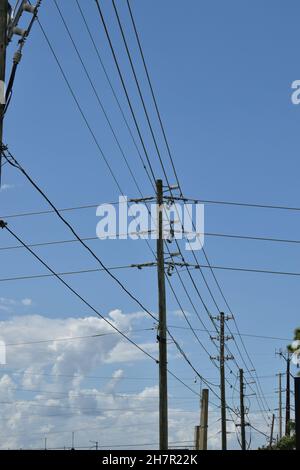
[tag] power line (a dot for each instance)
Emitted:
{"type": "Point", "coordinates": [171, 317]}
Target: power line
{"type": "Point", "coordinates": [17, 165]}
{"type": "Point", "coordinates": [79, 296]}
{"type": "Point", "coordinates": [136, 266]}
{"type": "Point", "coordinates": [277, 338]}
{"type": "Point", "coordinates": [249, 270]}
{"type": "Point", "coordinates": [75, 338]}
{"type": "Point", "coordinates": [92, 133]}
{"type": "Point", "coordinates": [64, 209]}
{"type": "Point", "coordinates": [67, 273]}
{"type": "Point", "coordinates": [69, 226]}
{"type": "Point", "coordinates": [125, 90]}
{"type": "Point", "coordinates": [142, 101]}
{"type": "Point", "coordinates": [112, 89]}
{"type": "Point", "coordinates": [152, 92]}
{"type": "Point", "coordinates": [241, 204]}
{"type": "Point", "coordinates": [128, 53]}
{"type": "Point", "coordinates": [97, 95]}
{"type": "Point", "coordinates": [12, 161]}
{"type": "Point", "coordinates": [105, 319]}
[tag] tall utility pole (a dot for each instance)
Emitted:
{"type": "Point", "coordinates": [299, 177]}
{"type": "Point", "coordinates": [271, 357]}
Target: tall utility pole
{"type": "Point", "coordinates": [162, 328]}
{"type": "Point", "coordinates": [287, 357]}
{"type": "Point", "coordinates": [297, 411]}
{"type": "Point", "coordinates": [242, 410]}
{"type": "Point", "coordinates": [280, 404]}
{"type": "Point", "coordinates": [222, 358]}
{"type": "Point", "coordinates": [203, 420]}
{"type": "Point", "coordinates": [4, 10]}
{"type": "Point", "coordinates": [222, 384]}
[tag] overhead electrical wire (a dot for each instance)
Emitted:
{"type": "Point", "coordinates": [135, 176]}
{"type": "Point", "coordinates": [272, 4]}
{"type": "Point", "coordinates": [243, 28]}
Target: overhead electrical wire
{"type": "Point", "coordinates": [96, 94]}
{"type": "Point", "coordinates": [76, 101]}
{"type": "Point", "coordinates": [79, 296]}
{"type": "Point", "coordinates": [128, 53]}
{"type": "Point", "coordinates": [161, 123]}
{"type": "Point", "coordinates": [241, 204]}
{"type": "Point", "coordinates": [12, 161]}
{"type": "Point", "coordinates": [94, 90]}
{"type": "Point", "coordinates": [112, 89]}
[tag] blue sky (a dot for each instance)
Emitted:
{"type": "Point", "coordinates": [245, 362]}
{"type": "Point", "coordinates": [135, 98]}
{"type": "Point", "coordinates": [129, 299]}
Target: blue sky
{"type": "Point", "coordinates": [222, 72]}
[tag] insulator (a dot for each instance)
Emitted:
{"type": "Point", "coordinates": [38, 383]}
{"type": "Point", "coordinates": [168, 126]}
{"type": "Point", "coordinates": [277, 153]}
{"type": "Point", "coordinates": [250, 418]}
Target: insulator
{"type": "Point", "coordinates": [19, 31]}
{"type": "Point", "coordinates": [17, 57]}
{"type": "Point", "coordinates": [29, 8]}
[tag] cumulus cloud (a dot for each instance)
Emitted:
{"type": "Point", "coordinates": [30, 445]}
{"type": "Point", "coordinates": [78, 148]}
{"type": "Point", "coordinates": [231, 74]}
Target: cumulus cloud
{"type": "Point", "coordinates": [45, 391]}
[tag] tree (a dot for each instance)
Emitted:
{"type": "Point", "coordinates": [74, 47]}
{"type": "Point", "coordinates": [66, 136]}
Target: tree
{"type": "Point", "coordinates": [294, 348]}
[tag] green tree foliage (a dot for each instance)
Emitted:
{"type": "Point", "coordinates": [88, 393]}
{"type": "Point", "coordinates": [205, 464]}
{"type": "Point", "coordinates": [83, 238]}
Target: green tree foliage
{"type": "Point", "coordinates": [294, 348]}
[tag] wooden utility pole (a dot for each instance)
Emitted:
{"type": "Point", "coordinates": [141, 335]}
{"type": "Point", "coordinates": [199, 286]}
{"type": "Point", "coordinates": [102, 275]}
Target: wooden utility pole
{"type": "Point", "coordinates": [288, 395]}
{"type": "Point", "coordinates": [203, 420]}
{"type": "Point", "coordinates": [297, 411]}
{"type": "Point", "coordinates": [287, 357]}
{"type": "Point", "coordinates": [162, 328]}
{"type": "Point", "coordinates": [222, 358]}
{"type": "Point", "coordinates": [272, 431]}
{"type": "Point", "coordinates": [242, 410]}
{"type": "Point", "coordinates": [222, 384]}
{"type": "Point", "coordinates": [4, 9]}
{"type": "Point", "coordinates": [197, 437]}
{"type": "Point", "coordinates": [280, 405]}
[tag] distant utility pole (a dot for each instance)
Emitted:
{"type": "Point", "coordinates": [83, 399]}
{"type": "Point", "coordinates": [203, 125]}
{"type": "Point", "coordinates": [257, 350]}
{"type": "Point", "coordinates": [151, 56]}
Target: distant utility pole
{"type": "Point", "coordinates": [222, 358]}
{"type": "Point", "coordinates": [4, 12]}
{"type": "Point", "coordinates": [272, 431]}
{"type": "Point", "coordinates": [280, 404]}
{"type": "Point", "coordinates": [297, 411]}
{"type": "Point", "coordinates": [96, 444]}
{"type": "Point", "coordinates": [162, 328]}
{"type": "Point", "coordinates": [242, 411]}
{"type": "Point", "coordinates": [223, 384]}
{"type": "Point", "coordinates": [288, 396]}
{"type": "Point", "coordinates": [201, 431]}
{"type": "Point", "coordinates": [287, 357]}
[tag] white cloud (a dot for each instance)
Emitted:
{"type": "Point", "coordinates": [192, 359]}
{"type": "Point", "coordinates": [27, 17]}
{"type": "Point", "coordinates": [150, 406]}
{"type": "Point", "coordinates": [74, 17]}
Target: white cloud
{"type": "Point", "coordinates": [45, 393]}
{"type": "Point", "coordinates": [180, 314]}
{"type": "Point", "coordinates": [9, 305]}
